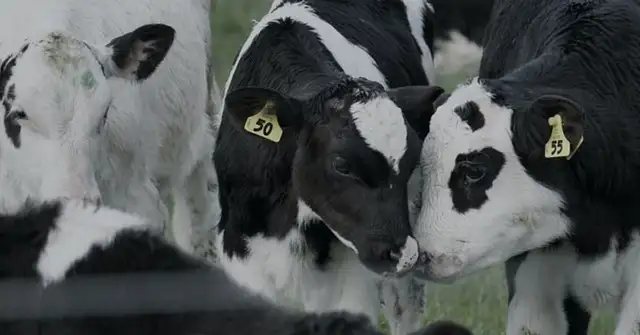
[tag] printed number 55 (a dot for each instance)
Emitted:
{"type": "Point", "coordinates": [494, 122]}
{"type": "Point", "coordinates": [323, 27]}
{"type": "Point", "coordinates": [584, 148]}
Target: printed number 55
{"type": "Point", "coordinates": [556, 146]}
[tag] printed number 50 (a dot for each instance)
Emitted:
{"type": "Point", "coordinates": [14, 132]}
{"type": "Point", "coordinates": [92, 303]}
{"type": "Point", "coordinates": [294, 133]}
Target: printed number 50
{"type": "Point", "coordinates": [556, 147]}
{"type": "Point", "coordinates": [264, 126]}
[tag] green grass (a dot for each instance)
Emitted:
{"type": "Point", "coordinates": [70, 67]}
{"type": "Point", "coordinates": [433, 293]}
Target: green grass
{"type": "Point", "coordinates": [478, 301]}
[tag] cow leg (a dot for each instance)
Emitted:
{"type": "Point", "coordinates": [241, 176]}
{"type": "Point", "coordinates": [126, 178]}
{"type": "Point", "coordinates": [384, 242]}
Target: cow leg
{"type": "Point", "coordinates": [194, 215]}
{"type": "Point", "coordinates": [202, 187]}
{"type": "Point", "coordinates": [403, 304]}
{"type": "Point", "coordinates": [345, 286]}
{"type": "Point", "coordinates": [537, 292]}
{"type": "Point", "coordinates": [629, 311]}
{"type": "Point", "coordinates": [182, 220]}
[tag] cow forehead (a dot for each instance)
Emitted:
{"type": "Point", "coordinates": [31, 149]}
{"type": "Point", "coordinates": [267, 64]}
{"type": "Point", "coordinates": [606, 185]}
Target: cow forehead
{"type": "Point", "coordinates": [450, 135]}
{"type": "Point", "coordinates": [58, 52]}
{"type": "Point", "coordinates": [54, 60]}
{"type": "Point", "coordinates": [381, 124]}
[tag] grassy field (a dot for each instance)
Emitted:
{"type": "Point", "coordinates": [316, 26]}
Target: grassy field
{"type": "Point", "coordinates": [478, 301]}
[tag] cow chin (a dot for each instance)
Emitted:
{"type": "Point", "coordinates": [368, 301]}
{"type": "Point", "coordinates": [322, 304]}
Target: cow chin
{"type": "Point", "coordinates": [446, 260]}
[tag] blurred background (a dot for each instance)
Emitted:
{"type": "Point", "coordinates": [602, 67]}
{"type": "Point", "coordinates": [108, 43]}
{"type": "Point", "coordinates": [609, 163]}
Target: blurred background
{"type": "Point", "coordinates": [479, 301]}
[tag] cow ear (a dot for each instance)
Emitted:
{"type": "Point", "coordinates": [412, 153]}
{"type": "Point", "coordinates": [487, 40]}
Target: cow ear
{"type": "Point", "coordinates": [564, 109]}
{"type": "Point", "coordinates": [137, 54]}
{"type": "Point", "coordinates": [417, 104]}
{"type": "Point", "coordinates": [246, 104]}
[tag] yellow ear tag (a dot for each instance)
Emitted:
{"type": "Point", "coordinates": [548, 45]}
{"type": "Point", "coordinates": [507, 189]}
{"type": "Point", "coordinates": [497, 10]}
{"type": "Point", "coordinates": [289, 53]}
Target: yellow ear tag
{"type": "Point", "coordinates": [264, 125]}
{"type": "Point", "coordinates": [558, 145]}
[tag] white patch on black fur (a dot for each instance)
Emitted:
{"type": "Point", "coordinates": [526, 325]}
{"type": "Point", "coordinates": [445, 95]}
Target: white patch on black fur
{"type": "Point", "coordinates": [381, 125]}
{"type": "Point", "coordinates": [77, 231]}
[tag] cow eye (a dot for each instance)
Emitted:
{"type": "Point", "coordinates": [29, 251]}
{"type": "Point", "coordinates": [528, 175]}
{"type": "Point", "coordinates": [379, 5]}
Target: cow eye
{"type": "Point", "coordinates": [474, 173]}
{"type": "Point", "coordinates": [341, 166]}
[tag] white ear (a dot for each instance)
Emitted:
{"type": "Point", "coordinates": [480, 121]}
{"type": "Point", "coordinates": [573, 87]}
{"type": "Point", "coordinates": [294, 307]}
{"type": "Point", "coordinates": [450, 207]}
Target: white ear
{"type": "Point", "coordinates": [137, 54]}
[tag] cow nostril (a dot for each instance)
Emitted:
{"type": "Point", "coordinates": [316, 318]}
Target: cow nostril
{"type": "Point", "coordinates": [395, 255]}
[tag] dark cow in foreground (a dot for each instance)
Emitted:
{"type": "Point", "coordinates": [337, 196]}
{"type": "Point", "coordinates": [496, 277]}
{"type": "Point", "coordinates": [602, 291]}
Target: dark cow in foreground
{"type": "Point", "coordinates": [315, 150]}
{"type": "Point", "coordinates": [541, 154]}
{"type": "Point", "coordinates": [65, 247]}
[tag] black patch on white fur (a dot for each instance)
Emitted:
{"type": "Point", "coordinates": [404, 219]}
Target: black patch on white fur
{"type": "Point", "coordinates": [470, 113]}
{"type": "Point", "coordinates": [468, 195]}
{"type": "Point", "coordinates": [160, 35]}
{"type": "Point", "coordinates": [7, 96]}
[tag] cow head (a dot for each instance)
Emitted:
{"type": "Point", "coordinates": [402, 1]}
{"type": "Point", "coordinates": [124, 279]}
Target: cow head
{"type": "Point", "coordinates": [56, 98]}
{"type": "Point", "coordinates": [354, 153]}
{"type": "Point", "coordinates": [489, 192]}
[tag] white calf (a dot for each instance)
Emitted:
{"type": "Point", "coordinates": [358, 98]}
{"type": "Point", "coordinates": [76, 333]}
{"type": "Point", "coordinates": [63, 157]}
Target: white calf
{"type": "Point", "coordinates": [153, 146]}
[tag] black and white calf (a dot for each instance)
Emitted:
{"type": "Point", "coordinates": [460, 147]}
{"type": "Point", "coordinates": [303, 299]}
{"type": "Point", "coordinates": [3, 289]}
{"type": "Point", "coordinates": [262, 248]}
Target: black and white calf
{"type": "Point", "coordinates": [60, 249]}
{"type": "Point", "coordinates": [332, 157]}
{"type": "Point", "coordinates": [540, 154]}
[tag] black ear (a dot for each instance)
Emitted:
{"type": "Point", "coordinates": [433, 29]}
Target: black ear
{"type": "Point", "coordinates": [417, 104]}
{"type": "Point", "coordinates": [137, 54]}
{"type": "Point", "coordinates": [571, 112]}
{"type": "Point", "coordinates": [245, 102]}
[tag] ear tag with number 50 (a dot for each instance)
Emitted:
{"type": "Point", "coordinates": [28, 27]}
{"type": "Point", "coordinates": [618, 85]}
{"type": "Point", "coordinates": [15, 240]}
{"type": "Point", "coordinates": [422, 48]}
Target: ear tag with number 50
{"type": "Point", "coordinates": [558, 144]}
{"type": "Point", "coordinates": [264, 125]}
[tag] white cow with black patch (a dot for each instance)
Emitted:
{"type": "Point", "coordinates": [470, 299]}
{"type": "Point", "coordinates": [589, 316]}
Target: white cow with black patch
{"type": "Point", "coordinates": [538, 158]}
{"type": "Point", "coordinates": [313, 190]}
{"type": "Point", "coordinates": [85, 118]}
{"type": "Point", "coordinates": [74, 268]}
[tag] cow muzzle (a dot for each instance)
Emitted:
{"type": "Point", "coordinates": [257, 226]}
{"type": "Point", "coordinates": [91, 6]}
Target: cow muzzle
{"type": "Point", "coordinates": [392, 259]}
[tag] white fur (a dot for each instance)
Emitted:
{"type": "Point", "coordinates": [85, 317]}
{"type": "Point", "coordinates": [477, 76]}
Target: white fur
{"type": "Point", "coordinates": [545, 278]}
{"type": "Point", "coordinates": [520, 213]}
{"type": "Point", "coordinates": [80, 228]}
{"type": "Point", "coordinates": [271, 268]}
{"type": "Point", "coordinates": [455, 54]}
{"type": "Point", "coordinates": [157, 137]}
{"type": "Point", "coordinates": [409, 255]}
{"type": "Point", "coordinates": [415, 8]}
{"type": "Point", "coordinates": [381, 124]}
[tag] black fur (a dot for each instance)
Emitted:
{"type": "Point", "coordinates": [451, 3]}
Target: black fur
{"type": "Point", "coordinates": [443, 328]}
{"type": "Point", "coordinates": [470, 113]}
{"type": "Point", "coordinates": [23, 236]}
{"type": "Point", "coordinates": [472, 176]}
{"type": "Point", "coordinates": [586, 52]}
{"type": "Point", "coordinates": [288, 65]}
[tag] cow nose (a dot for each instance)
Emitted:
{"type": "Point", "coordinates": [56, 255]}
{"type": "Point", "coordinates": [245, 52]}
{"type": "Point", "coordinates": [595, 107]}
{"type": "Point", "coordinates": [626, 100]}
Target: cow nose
{"type": "Point", "coordinates": [405, 255]}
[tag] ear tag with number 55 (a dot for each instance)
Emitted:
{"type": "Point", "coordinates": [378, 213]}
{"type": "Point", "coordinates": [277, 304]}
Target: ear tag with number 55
{"type": "Point", "coordinates": [558, 144]}
{"type": "Point", "coordinates": [264, 125]}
